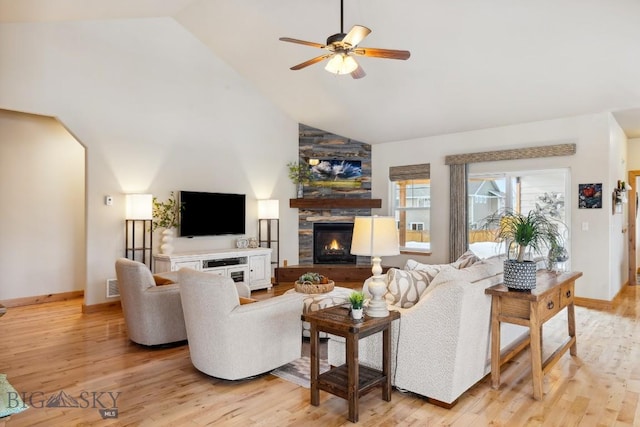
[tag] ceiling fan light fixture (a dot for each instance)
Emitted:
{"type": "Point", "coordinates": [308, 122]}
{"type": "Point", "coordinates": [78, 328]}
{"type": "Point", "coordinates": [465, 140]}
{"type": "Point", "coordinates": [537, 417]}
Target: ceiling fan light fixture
{"type": "Point", "coordinates": [341, 63]}
{"type": "Point", "coordinates": [341, 46]}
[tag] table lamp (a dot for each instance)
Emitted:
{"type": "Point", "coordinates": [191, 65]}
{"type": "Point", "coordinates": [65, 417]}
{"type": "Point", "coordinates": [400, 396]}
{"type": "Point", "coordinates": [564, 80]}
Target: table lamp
{"type": "Point", "coordinates": [375, 236]}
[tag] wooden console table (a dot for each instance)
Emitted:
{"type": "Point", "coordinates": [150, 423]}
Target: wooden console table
{"type": "Point", "coordinates": [552, 293]}
{"type": "Point", "coordinates": [351, 380]}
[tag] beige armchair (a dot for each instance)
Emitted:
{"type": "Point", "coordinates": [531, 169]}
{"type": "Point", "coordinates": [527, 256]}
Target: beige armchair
{"type": "Point", "coordinates": [232, 341]}
{"type": "Point", "coordinates": [153, 314]}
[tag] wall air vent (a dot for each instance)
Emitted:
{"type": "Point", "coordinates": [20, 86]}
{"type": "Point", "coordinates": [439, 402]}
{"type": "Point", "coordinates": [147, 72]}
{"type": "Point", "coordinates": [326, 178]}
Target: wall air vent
{"type": "Point", "coordinates": [112, 288]}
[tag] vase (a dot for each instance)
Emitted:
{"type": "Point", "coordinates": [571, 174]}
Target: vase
{"type": "Point", "coordinates": [356, 313]}
{"type": "Point", "coordinates": [520, 275]}
{"type": "Point", "coordinates": [300, 191]}
{"type": "Point", "coordinates": [166, 244]}
{"type": "Point", "coordinates": [557, 258]}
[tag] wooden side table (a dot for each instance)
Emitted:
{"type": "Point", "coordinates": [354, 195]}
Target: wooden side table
{"type": "Point", "coordinates": [533, 308]}
{"type": "Point", "coordinates": [351, 380]}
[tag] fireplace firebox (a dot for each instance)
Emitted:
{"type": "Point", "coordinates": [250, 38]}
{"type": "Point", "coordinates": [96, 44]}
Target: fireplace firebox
{"type": "Point", "coordinates": [332, 243]}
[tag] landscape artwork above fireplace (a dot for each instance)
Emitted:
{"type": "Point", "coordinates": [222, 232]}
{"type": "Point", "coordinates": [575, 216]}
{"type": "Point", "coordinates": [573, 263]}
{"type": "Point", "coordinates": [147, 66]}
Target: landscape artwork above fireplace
{"type": "Point", "coordinates": [332, 243]}
{"type": "Point", "coordinates": [337, 173]}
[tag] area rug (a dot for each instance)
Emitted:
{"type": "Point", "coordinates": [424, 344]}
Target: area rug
{"type": "Point", "coordinates": [299, 371]}
{"type": "Point", "coordinates": [10, 401]}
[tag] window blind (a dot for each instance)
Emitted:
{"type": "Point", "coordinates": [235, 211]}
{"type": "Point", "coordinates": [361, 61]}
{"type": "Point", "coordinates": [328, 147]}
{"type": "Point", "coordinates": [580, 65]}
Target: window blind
{"type": "Point", "coordinates": [403, 173]}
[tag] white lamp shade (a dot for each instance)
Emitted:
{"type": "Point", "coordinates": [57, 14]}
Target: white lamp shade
{"type": "Point", "coordinates": [341, 63]}
{"type": "Point", "coordinates": [268, 209]}
{"type": "Point", "coordinates": [375, 236]}
{"type": "Point", "coordinates": [139, 206]}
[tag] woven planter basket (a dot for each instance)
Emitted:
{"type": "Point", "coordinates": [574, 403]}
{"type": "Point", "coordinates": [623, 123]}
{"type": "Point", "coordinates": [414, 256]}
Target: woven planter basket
{"type": "Point", "coordinates": [519, 275]}
{"type": "Point", "coordinates": [314, 288]}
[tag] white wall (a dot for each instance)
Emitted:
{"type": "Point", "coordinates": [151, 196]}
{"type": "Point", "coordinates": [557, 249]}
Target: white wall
{"type": "Point", "coordinates": [156, 112]}
{"type": "Point", "coordinates": [633, 154]}
{"type": "Point", "coordinates": [618, 222]}
{"type": "Point", "coordinates": [42, 210]}
{"type": "Point", "coordinates": [590, 249]}
{"type": "Point", "coordinates": [633, 164]}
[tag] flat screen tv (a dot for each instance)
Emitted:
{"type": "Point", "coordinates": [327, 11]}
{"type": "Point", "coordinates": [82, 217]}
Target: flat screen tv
{"type": "Point", "coordinates": [211, 214]}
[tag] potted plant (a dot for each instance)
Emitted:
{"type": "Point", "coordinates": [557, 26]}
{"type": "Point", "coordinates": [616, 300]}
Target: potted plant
{"type": "Point", "coordinates": [522, 235]}
{"type": "Point", "coordinates": [166, 215]}
{"type": "Point", "coordinates": [356, 299]}
{"type": "Point", "coordinates": [299, 174]}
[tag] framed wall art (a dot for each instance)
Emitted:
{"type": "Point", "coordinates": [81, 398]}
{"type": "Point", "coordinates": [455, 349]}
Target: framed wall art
{"type": "Point", "coordinates": [590, 196]}
{"type": "Point", "coordinates": [337, 173]}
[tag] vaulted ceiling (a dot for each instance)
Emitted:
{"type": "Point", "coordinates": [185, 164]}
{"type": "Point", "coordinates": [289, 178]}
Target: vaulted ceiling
{"type": "Point", "coordinates": [474, 64]}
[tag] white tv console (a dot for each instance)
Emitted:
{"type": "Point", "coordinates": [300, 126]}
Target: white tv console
{"type": "Point", "coordinates": [252, 266]}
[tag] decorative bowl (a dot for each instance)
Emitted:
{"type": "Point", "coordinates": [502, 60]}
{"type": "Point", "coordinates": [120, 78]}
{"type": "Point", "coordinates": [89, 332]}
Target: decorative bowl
{"type": "Point", "coordinates": [307, 287]}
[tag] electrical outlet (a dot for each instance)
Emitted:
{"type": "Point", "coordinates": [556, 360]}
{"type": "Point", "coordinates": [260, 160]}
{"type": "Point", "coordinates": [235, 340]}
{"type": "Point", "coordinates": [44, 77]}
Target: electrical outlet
{"type": "Point", "coordinates": [108, 200]}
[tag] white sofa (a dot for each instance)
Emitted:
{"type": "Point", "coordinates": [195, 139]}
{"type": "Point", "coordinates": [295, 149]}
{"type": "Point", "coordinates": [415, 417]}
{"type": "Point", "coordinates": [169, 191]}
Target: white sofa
{"type": "Point", "coordinates": [441, 344]}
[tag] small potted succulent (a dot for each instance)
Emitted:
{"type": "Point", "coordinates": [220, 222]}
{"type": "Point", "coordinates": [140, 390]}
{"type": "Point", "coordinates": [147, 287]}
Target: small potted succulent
{"type": "Point", "coordinates": [356, 299]}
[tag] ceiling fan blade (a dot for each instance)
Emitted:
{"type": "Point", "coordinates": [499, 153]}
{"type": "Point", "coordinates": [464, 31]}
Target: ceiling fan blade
{"type": "Point", "coordinates": [356, 34]}
{"type": "Point", "coordinates": [306, 43]}
{"type": "Point", "coordinates": [382, 53]}
{"type": "Point", "coordinates": [358, 73]}
{"type": "Point", "coordinates": [311, 61]}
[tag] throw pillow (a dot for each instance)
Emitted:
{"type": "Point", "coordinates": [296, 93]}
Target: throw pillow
{"type": "Point", "coordinates": [490, 268]}
{"type": "Point", "coordinates": [412, 264]}
{"type": "Point", "coordinates": [465, 260]}
{"type": "Point", "coordinates": [162, 280]}
{"type": "Point", "coordinates": [406, 286]}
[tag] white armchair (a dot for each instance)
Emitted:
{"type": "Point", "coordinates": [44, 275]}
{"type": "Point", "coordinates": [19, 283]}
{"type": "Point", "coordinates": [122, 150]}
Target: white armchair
{"type": "Point", "coordinates": [232, 341]}
{"type": "Point", "coordinates": [153, 314]}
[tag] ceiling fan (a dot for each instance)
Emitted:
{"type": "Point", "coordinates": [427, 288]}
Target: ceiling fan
{"type": "Point", "coordinates": [342, 48]}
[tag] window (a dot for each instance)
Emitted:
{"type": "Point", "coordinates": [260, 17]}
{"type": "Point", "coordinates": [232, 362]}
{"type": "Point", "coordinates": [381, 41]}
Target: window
{"type": "Point", "coordinates": [411, 195]}
{"type": "Point", "coordinates": [458, 175]}
{"type": "Point", "coordinates": [522, 192]}
{"type": "Point", "coordinates": [416, 226]}
{"type": "Point", "coordinates": [412, 210]}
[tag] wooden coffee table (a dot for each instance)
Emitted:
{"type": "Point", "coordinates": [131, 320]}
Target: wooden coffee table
{"type": "Point", "coordinates": [351, 380]}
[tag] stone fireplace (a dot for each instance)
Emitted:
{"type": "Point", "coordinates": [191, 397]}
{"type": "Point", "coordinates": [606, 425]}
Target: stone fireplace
{"type": "Point", "coordinates": [327, 203]}
{"type": "Point", "coordinates": [332, 243]}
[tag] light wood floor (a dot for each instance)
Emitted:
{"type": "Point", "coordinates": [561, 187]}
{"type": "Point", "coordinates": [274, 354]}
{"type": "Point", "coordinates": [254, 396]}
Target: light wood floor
{"type": "Point", "coordinates": [54, 346]}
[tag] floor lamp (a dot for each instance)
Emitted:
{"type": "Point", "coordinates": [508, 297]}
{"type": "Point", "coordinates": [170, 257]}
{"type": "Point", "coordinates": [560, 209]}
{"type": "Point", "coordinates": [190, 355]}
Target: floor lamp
{"type": "Point", "coordinates": [138, 235]}
{"type": "Point", "coordinates": [269, 227]}
{"type": "Point", "coordinates": [375, 236]}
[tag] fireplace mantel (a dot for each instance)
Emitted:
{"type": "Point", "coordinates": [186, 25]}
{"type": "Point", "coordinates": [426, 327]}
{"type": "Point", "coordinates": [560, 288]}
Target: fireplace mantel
{"type": "Point", "coordinates": [337, 203]}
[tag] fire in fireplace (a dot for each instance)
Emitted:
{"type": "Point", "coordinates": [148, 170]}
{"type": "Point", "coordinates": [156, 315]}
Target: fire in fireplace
{"type": "Point", "coordinates": [332, 243]}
